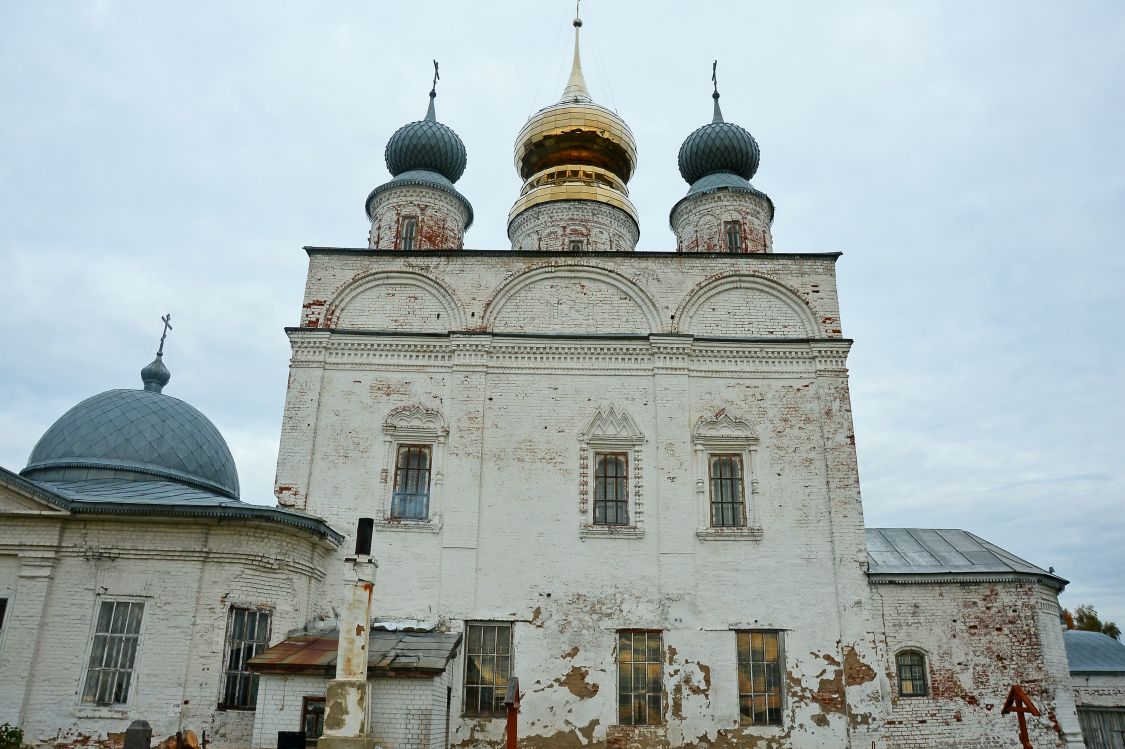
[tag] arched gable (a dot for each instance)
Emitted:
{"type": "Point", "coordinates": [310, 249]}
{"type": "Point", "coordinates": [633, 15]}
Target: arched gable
{"type": "Point", "coordinates": [395, 301]}
{"type": "Point", "coordinates": [746, 306]}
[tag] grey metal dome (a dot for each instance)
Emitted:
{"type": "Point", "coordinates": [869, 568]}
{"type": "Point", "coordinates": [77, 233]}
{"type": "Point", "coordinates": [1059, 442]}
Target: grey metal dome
{"type": "Point", "coordinates": [427, 145]}
{"type": "Point", "coordinates": [136, 432]}
{"type": "Point", "coordinates": [718, 147]}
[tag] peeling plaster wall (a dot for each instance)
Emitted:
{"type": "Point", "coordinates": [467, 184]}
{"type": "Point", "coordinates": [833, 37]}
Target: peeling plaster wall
{"type": "Point", "coordinates": [1099, 690]}
{"type": "Point", "coordinates": [508, 541]}
{"type": "Point", "coordinates": [979, 639]}
{"type": "Point", "coordinates": [441, 218]}
{"type": "Point", "coordinates": [187, 573]}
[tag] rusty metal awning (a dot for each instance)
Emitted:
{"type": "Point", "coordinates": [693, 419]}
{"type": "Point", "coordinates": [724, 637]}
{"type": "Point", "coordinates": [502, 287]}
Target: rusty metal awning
{"type": "Point", "coordinates": [388, 654]}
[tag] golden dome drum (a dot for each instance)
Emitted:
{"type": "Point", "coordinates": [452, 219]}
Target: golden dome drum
{"type": "Point", "coordinates": [579, 133]}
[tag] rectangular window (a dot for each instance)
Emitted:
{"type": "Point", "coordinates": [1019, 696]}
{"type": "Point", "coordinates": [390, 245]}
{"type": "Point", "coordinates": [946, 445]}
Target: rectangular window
{"type": "Point", "coordinates": [759, 678]}
{"type": "Point", "coordinates": [3, 611]}
{"type": "Point", "coordinates": [113, 653]}
{"type": "Point", "coordinates": [576, 245]}
{"type": "Point", "coordinates": [611, 489]}
{"type": "Point", "coordinates": [312, 719]}
{"type": "Point", "coordinates": [409, 231]}
{"type": "Point", "coordinates": [728, 510]}
{"type": "Point", "coordinates": [734, 236]}
{"type": "Point", "coordinates": [640, 693]}
{"type": "Point", "coordinates": [411, 498]}
{"type": "Point", "coordinates": [911, 674]}
{"type": "Point", "coordinates": [248, 634]}
{"type": "Point", "coordinates": [488, 663]}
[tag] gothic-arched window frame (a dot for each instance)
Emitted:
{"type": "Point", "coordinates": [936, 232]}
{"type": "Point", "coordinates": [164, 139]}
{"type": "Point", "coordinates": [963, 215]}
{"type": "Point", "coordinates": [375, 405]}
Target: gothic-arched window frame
{"type": "Point", "coordinates": [910, 668]}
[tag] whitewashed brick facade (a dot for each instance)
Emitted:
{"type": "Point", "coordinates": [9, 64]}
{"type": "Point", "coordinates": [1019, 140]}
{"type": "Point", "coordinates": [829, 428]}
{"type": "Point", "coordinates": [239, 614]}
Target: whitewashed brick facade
{"type": "Point", "coordinates": [699, 221]}
{"type": "Point", "coordinates": [552, 226]}
{"type": "Point", "coordinates": [441, 218]}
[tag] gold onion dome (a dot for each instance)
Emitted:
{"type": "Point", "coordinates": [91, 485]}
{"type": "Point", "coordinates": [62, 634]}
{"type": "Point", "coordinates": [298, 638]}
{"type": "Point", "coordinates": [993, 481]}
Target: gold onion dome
{"type": "Point", "coordinates": [575, 150]}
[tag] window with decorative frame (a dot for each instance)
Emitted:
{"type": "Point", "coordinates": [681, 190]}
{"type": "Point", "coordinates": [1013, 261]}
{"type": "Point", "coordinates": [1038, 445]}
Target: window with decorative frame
{"type": "Point", "coordinates": [408, 232]}
{"type": "Point", "coordinates": [114, 645]}
{"type": "Point", "coordinates": [610, 480]}
{"type": "Point", "coordinates": [726, 481]}
{"type": "Point", "coordinates": [414, 439]}
{"type": "Point", "coordinates": [248, 634]}
{"type": "Point", "coordinates": [910, 666]}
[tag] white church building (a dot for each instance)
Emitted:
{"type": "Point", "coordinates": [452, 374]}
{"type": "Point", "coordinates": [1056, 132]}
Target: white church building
{"type": "Point", "coordinates": [626, 477]}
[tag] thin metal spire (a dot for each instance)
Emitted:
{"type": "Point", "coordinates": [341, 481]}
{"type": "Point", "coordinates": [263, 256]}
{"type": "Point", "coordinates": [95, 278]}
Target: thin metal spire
{"type": "Point", "coordinates": [576, 87]}
{"type": "Point", "coordinates": [715, 79]}
{"type": "Point", "coordinates": [431, 115]}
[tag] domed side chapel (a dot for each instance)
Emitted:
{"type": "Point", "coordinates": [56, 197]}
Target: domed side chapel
{"type": "Point", "coordinates": [626, 479]}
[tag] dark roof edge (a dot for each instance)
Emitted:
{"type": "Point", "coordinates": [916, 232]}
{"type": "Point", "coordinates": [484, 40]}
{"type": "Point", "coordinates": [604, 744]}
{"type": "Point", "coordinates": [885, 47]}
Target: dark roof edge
{"type": "Point", "coordinates": [315, 250]}
{"type": "Point", "coordinates": [35, 490]}
{"type": "Point", "coordinates": [936, 578]}
{"type": "Point", "coordinates": [121, 465]}
{"type": "Point", "coordinates": [556, 336]}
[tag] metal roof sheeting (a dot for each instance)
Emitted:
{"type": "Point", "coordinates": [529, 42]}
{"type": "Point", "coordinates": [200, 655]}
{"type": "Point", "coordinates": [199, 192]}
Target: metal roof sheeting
{"type": "Point", "coordinates": [423, 653]}
{"type": "Point", "coordinates": [1093, 653]}
{"type": "Point", "coordinates": [896, 552]}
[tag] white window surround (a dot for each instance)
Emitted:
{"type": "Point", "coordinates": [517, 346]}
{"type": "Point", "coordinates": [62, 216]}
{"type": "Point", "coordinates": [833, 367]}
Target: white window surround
{"type": "Point", "coordinates": [610, 430]}
{"type": "Point", "coordinates": [722, 433]}
{"type": "Point", "coordinates": [88, 710]}
{"type": "Point", "coordinates": [412, 425]}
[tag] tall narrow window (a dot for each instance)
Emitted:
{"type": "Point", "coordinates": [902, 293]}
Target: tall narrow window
{"type": "Point", "coordinates": [248, 634]}
{"type": "Point", "coordinates": [411, 498]}
{"type": "Point", "coordinates": [759, 678]}
{"type": "Point", "coordinates": [640, 693]}
{"type": "Point", "coordinates": [911, 674]}
{"type": "Point", "coordinates": [611, 489]}
{"type": "Point", "coordinates": [3, 611]}
{"type": "Point", "coordinates": [113, 653]}
{"type": "Point", "coordinates": [409, 232]}
{"type": "Point", "coordinates": [576, 245]}
{"type": "Point", "coordinates": [488, 662]}
{"type": "Point", "coordinates": [734, 236]}
{"type": "Point", "coordinates": [312, 719]}
{"type": "Point", "coordinates": [727, 490]}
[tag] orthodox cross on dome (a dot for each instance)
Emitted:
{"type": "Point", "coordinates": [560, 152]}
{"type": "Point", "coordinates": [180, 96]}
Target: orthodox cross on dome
{"type": "Point", "coordinates": [431, 115]}
{"type": "Point", "coordinates": [715, 79]}
{"type": "Point", "coordinates": [167, 320]}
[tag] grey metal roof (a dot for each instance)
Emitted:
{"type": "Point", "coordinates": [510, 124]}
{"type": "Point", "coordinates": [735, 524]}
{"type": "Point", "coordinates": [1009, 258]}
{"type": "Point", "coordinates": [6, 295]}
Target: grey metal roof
{"type": "Point", "coordinates": [157, 498]}
{"type": "Point", "coordinates": [137, 431]}
{"type": "Point", "coordinates": [421, 177]}
{"type": "Point", "coordinates": [718, 147]}
{"type": "Point", "coordinates": [720, 181]}
{"type": "Point", "coordinates": [426, 144]}
{"type": "Point", "coordinates": [941, 554]}
{"type": "Point", "coordinates": [1093, 653]}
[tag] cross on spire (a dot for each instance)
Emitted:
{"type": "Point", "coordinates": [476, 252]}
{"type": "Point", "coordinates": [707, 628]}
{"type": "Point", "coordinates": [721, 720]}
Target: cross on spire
{"type": "Point", "coordinates": [431, 114]}
{"type": "Point", "coordinates": [718, 116]}
{"type": "Point", "coordinates": [167, 320]}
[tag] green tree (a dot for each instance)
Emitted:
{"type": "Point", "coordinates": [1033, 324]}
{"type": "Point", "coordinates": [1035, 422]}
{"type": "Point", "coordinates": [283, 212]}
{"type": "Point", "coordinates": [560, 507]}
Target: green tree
{"type": "Point", "coordinates": [1086, 618]}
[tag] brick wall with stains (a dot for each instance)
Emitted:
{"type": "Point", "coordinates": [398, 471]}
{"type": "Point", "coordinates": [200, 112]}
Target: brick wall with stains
{"type": "Point", "coordinates": [512, 370]}
{"type": "Point", "coordinates": [700, 223]}
{"type": "Point", "coordinates": [67, 566]}
{"type": "Point", "coordinates": [551, 227]}
{"type": "Point", "coordinates": [1099, 690]}
{"type": "Point", "coordinates": [441, 218]}
{"type": "Point", "coordinates": [978, 640]}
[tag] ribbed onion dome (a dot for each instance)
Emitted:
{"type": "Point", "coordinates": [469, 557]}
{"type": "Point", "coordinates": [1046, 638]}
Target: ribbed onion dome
{"type": "Point", "coordinates": [136, 432]}
{"type": "Point", "coordinates": [718, 147]}
{"type": "Point", "coordinates": [427, 145]}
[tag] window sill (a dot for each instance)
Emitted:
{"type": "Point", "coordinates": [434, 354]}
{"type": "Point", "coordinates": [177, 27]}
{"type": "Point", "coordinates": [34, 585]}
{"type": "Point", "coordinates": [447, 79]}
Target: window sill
{"type": "Point", "coordinates": [410, 526]}
{"type": "Point", "coordinates": [236, 708]}
{"type": "Point", "coordinates": [749, 533]}
{"type": "Point", "coordinates": [611, 531]}
{"type": "Point", "coordinates": [96, 711]}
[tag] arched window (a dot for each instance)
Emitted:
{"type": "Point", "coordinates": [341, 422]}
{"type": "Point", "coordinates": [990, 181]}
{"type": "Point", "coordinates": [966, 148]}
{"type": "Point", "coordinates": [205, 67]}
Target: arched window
{"type": "Point", "coordinates": [911, 674]}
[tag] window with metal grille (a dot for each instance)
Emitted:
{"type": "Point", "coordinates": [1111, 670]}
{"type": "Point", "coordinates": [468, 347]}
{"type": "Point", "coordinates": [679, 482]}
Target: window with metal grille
{"type": "Point", "coordinates": [734, 235]}
{"type": "Point", "coordinates": [640, 693]}
{"type": "Point", "coordinates": [411, 497]}
{"type": "Point", "coordinates": [611, 489]}
{"type": "Point", "coordinates": [576, 245]}
{"type": "Point", "coordinates": [759, 678]}
{"type": "Point", "coordinates": [488, 663]}
{"type": "Point", "coordinates": [409, 232]}
{"type": "Point", "coordinates": [312, 719]}
{"type": "Point", "coordinates": [728, 508]}
{"type": "Point", "coordinates": [911, 673]}
{"type": "Point", "coordinates": [248, 633]}
{"type": "Point", "coordinates": [113, 653]}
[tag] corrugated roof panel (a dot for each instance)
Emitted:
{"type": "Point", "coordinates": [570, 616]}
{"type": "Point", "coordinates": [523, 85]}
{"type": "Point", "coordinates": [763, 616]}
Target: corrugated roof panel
{"type": "Point", "coordinates": [1093, 652]}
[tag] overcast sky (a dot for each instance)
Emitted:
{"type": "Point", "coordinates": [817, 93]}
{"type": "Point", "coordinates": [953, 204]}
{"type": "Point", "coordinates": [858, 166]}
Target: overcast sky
{"type": "Point", "coordinates": [966, 157]}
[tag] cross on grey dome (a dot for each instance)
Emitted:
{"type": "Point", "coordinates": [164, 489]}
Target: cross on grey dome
{"type": "Point", "coordinates": [427, 145]}
{"type": "Point", "coordinates": [718, 146]}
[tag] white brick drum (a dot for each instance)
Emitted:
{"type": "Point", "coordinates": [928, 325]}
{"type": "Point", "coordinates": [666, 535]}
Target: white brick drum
{"type": "Point", "coordinates": [699, 221]}
{"type": "Point", "coordinates": [553, 226]}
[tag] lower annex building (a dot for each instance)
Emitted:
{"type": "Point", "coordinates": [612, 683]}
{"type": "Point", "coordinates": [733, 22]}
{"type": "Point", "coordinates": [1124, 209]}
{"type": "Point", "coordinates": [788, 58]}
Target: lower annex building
{"type": "Point", "coordinates": [627, 478]}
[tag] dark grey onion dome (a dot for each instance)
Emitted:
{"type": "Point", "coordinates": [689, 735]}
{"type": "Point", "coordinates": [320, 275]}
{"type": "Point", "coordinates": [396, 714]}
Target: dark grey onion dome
{"type": "Point", "coordinates": [155, 375]}
{"type": "Point", "coordinates": [135, 433]}
{"type": "Point", "coordinates": [719, 147]}
{"type": "Point", "coordinates": [427, 145]}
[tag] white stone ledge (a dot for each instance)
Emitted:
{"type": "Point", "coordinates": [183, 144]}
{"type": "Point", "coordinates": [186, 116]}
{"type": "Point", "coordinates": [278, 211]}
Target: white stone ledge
{"type": "Point", "coordinates": [730, 534]}
{"type": "Point", "coordinates": [606, 531]}
{"type": "Point", "coordinates": [409, 526]}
